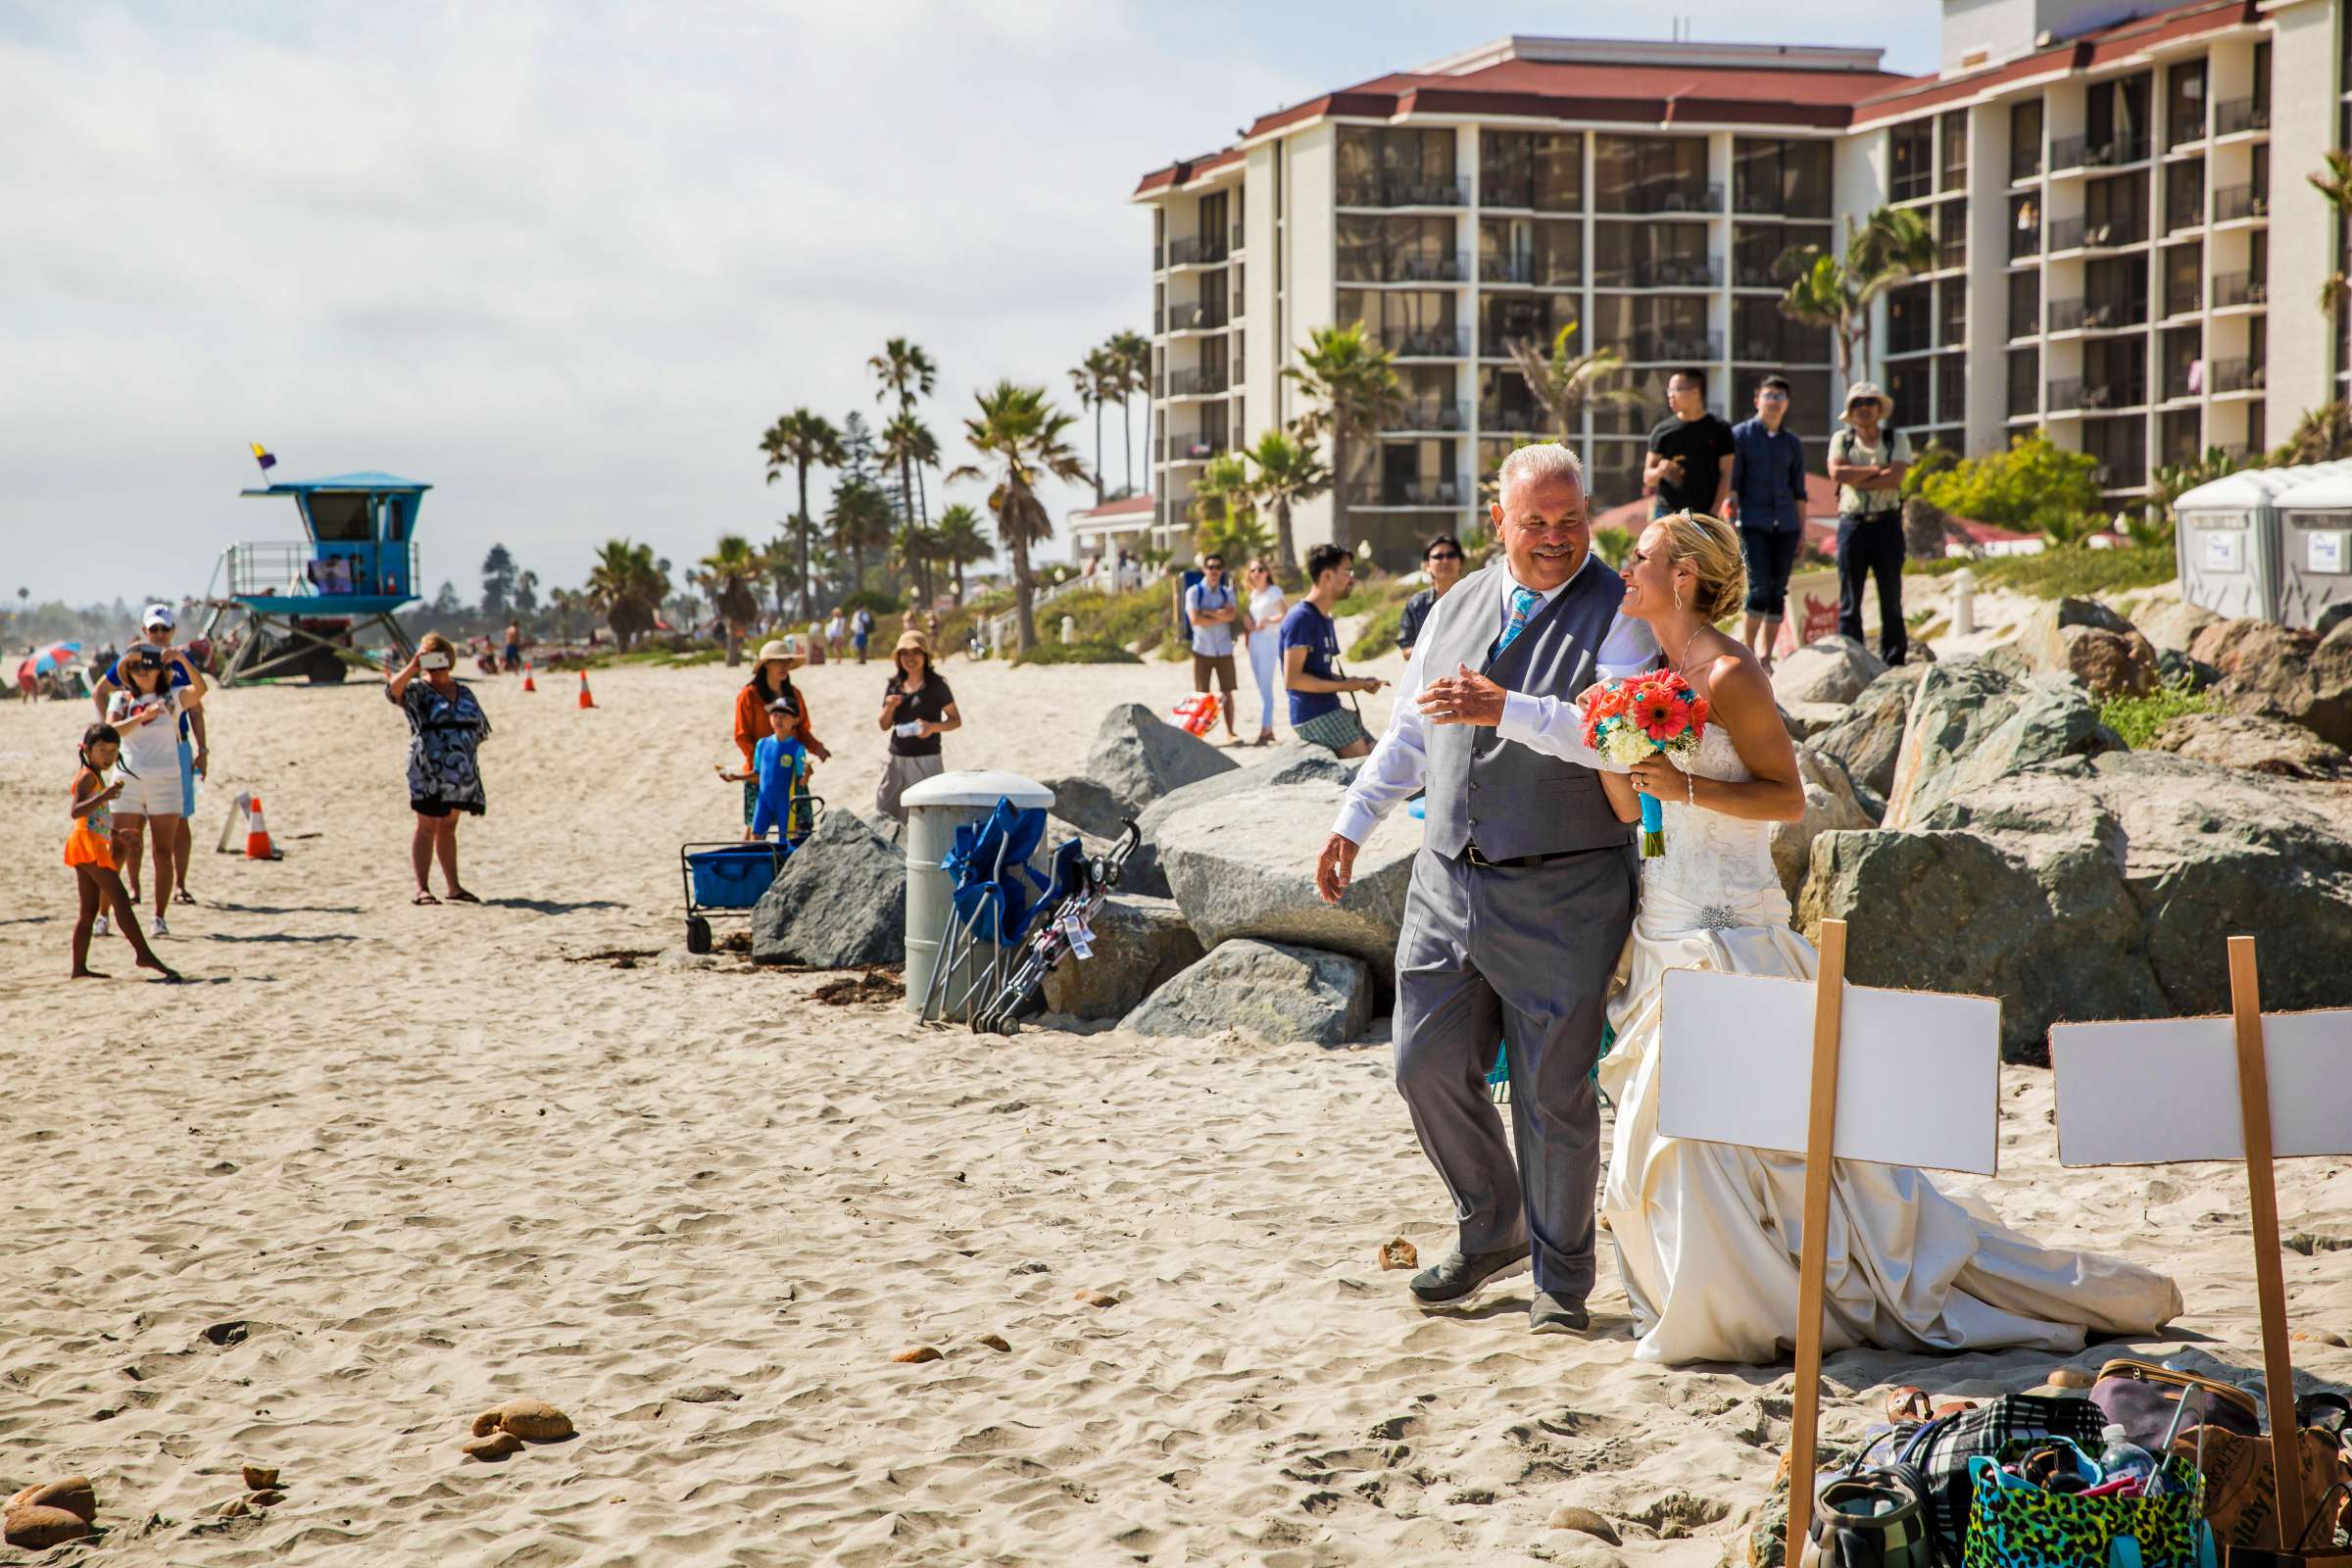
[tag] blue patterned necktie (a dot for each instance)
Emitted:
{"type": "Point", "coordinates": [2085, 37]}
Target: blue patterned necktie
{"type": "Point", "coordinates": [1524, 603]}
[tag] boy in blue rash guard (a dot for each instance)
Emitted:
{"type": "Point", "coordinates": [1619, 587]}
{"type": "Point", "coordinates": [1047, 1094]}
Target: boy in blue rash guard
{"type": "Point", "coordinates": [779, 763]}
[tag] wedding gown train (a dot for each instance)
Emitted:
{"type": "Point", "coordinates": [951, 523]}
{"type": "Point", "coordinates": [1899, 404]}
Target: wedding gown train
{"type": "Point", "coordinates": [1707, 1234]}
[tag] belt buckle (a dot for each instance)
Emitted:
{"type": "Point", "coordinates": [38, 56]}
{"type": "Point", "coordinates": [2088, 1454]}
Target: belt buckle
{"type": "Point", "coordinates": [1470, 852]}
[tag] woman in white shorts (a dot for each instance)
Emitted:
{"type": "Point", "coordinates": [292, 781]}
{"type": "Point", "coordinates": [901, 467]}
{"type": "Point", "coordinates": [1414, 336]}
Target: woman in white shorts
{"type": "Point", "coordinates": [146, 712]}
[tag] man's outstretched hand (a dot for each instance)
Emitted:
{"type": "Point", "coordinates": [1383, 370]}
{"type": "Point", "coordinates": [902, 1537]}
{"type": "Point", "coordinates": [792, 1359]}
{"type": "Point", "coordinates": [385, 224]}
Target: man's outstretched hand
{"type": "Point", "coordinates": [1464, 696]}
{"type": "Point", "coordinates": [1335, 868]}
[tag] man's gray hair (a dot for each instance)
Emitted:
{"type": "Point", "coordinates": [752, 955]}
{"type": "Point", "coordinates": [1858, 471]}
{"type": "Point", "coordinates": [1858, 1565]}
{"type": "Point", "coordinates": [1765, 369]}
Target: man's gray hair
{"type": "Point", "coordinates": [1545, 460]}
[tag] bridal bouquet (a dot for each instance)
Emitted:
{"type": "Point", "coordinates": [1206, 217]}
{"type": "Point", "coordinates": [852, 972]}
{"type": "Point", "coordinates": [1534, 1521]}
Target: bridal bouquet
{"type": "Point", "coordinates": [1627, 720]}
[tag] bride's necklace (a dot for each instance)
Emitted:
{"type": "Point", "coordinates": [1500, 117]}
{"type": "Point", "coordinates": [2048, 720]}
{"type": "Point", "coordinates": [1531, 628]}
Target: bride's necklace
{"type": "Point", "coordinates": [1685, 653]}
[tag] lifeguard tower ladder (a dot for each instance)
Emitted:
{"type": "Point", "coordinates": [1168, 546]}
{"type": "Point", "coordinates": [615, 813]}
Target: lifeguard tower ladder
{"type": "Point", "coordinates": [295, 604]}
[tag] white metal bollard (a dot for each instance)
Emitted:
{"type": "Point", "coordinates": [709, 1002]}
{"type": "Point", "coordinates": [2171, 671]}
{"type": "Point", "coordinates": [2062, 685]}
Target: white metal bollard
{"type": "Point", "coordinates": [935, 808]}
{"type": "Point", "coordinates": [1069, 628]}
{"type": "Point", "coordinates": [1963, 603]}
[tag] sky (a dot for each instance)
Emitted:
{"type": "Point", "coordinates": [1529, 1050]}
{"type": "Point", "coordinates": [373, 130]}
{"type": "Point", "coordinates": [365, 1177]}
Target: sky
{"type": "Point", "coordinates": [566, 262]}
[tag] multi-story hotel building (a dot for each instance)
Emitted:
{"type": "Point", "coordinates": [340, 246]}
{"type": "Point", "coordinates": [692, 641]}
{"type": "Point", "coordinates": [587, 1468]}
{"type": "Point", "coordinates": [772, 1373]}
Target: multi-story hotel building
{"type": "Point", "coordinates": [2117, 193]}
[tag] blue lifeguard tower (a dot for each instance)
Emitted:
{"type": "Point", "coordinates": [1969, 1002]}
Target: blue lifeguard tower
{"type": "Point", "coordinates": [298, 602]}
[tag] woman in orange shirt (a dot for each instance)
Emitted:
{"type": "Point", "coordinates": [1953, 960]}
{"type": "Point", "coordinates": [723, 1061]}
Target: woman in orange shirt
{"type": "Point", "coordinates": [771, 678]}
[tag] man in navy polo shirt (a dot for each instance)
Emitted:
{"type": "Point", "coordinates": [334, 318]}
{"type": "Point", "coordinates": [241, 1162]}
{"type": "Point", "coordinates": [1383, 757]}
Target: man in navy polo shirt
{"type": "Point", "coordinates": [1768, 503]}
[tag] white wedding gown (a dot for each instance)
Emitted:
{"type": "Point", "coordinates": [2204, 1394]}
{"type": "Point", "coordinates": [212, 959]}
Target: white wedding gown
{"type": "Point", "coordinates": [1706, 1234]}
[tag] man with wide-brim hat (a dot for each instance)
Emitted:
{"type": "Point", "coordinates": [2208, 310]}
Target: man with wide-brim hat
{"type": "Point", "coordinates": [771, 678]}
{"type": "Point", "coordinates": [1868, 458]}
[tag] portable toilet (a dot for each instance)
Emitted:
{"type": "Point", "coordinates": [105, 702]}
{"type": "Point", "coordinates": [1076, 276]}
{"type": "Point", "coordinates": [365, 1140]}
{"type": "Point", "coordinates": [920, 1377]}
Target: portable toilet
{"type": "Point", "coordinates": [296, 604]}
{"type": "Point", "coordinates": [2227, 540]}
{"type": "Point", "coordinates": [2315, 544]}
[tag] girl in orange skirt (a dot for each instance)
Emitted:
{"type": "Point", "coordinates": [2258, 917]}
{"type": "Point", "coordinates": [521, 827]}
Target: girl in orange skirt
{"type": "Point", "coordinates": [91, 852]}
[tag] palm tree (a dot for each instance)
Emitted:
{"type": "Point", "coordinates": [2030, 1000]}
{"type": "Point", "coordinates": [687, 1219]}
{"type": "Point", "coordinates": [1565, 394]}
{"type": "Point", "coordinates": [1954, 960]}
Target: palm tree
{"type": "Point", "coordinates": [728, 574]}
{"type": "Point", "coordinates": [961, 540]}
{"type": "Point", "coordinates": [781, 562]}
{"type": "Point", "coordinates": [1225, 510]}
{"type": "Point", "coordinates": [1288, 472]}
{"type": "Point", "coordinates": [1099, 380]}
{"type": "Point", "coordinates": [1837, 292]}
{"type": "Point", "coordinates": [1565, 382]}
{"type": "Point", "coordinates": [913, 548]}
{"type": "Point", "coordinates": [1351, 388]}
{"type": "Point", "coordinates": [804, 439]}
{"type": "Point", "coordinates": [2335, 184]}
{"type": "Point", "coordinates": [861, 520]}
{"type": "Point", "coordinates": [1022, 437]}
{"type": "Point", "coordinates": [626, 586]}
{"type": "Point", "coordinates": [1131, 356]}
{"type": "Point", "coordinates": [908, 441]}
{"type": "Point", "coordinates": [906, 372]}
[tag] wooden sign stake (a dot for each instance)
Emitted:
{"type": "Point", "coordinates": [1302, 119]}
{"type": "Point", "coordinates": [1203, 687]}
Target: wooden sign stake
{"type": "Point", "coordinates": [1813, 1262]}
{"type": "Point", "coordinates": [2269, 1284]}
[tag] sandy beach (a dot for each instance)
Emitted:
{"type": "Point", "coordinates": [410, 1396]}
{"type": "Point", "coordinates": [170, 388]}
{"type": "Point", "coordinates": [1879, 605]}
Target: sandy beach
{"type": "Point", "coordinates": [378, 1167]}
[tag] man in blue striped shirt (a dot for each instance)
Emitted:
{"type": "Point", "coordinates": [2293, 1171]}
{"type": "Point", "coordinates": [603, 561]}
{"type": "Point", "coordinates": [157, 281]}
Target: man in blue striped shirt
{"type": "Point", "coordinates": [1768, 502]}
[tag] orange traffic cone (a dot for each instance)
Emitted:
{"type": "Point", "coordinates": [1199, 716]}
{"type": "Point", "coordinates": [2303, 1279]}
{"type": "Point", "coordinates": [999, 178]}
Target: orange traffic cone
{"type": "Point", "coordinates": [257, 834]}
{"type": "Point", "coordinates": [586, 700]}
{"type": "Point", "coordinates": [528, 684]}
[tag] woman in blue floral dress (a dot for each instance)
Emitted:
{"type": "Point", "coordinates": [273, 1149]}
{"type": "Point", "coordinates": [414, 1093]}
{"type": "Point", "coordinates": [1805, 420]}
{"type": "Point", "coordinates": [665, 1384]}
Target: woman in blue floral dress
{"type": "Point", "coordinates": [446, 724]}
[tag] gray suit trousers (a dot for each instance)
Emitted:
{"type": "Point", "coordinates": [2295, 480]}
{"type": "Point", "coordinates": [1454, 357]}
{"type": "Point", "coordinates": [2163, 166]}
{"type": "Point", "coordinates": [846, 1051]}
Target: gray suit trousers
{"type": "Point", "coordinates": [1524, 955]}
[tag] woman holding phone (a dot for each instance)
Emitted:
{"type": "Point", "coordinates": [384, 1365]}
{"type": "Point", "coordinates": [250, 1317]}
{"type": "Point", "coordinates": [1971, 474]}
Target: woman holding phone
{"type": "Point", "coordinates": [446, 725]}
{"type": "Point", "coordinates": [917, 709]}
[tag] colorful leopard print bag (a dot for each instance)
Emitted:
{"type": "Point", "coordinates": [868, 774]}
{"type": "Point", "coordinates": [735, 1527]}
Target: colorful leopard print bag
{"type": "Point", "coordinates": [2016, 1523]}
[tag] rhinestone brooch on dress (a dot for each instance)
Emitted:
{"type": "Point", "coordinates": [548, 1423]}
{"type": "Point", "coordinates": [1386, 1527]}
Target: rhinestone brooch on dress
{"type": "Point", "coordinates": [1717, 917]}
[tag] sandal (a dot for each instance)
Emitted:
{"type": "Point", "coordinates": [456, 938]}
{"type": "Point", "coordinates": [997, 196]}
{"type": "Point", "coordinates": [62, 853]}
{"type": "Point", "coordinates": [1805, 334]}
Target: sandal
{"type": "Point", "coordinates": [183, 896]}
{"type": "Point", "coordinates": [423, 897]}
{"type": "Point", "coordinates": [461, 896]}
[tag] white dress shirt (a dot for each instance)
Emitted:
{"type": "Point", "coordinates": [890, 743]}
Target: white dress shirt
{"type": "Point", "coordinates": [1554, 725]}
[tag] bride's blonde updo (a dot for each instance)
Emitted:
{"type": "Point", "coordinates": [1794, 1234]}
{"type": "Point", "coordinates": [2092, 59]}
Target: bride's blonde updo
{"type": "Point", "coordinates": [1710, 548]}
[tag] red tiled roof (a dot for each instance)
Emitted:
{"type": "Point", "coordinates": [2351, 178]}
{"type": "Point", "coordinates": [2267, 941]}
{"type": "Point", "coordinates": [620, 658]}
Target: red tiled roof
{"type": "Point", "coordinates": [1184, 170]}
{"type": "Point", "coordinates": [2085, 52]}
{"type": "Point", "coordinates": [1124, 507]}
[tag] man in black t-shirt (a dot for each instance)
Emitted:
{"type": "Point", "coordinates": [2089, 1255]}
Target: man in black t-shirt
{"type": "Point", "coordinates": [1689, 460]}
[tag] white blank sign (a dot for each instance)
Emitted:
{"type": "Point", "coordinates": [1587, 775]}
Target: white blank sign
{"type": "Point", "coordinates": [1918, 1071]}
{"type": "Point", "coordinates": [2150, 1094]}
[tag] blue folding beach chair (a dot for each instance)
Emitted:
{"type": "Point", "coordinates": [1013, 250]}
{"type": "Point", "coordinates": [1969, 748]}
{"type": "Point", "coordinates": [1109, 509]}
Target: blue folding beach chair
{"type": "Point", "coordinates": [996, 892]}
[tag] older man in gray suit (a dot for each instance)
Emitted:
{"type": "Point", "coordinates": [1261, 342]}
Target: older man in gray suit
{"type": "Point", "coordinates": [1522, 893]}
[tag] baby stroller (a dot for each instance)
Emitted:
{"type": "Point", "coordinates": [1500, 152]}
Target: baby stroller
{"type": "Point", "coordinates": [1081, 883]}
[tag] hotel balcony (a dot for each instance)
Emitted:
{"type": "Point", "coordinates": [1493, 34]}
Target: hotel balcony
{"type": "Point", "coordinates": [2235, 116]}
{"type": "Point", "coordinates": [1435, 343]}
{"type": "Point", "coordinates": [2025, 162]}
{"type": "Point", "coordinates": [2073, 395]}
{"type": "Point", "coordinates": [1669, 271]}
{"type": "Point", "coordinates": [1403, 190]}
{"type": "Point", "coordinates": [2233, 290]}
{"type": "Point", "coordinates": [1195, 447]}
{"type": "Point", "coordinates": [2024, 242]}
{"type": "Point", "coordinates": [2096, 314]}
{"type": "Point", "coordinates": [2244, 375]}
{"type": "Point", "coordinates": [1494, 418]}
{"type": "Point", "coordinates": [2232, 204]}
{"type": "Point", "coordinates": [1675, 348]}
{"type": "Point", "coordinates": [1197, 250]}
{"type": "Point", "coordinates": [1202, 316]}
{"type": "Point", "coordinates": [1199, 383]}
{"type": "Point", "coordinates": [1416, 414]}
{"type": "Point", "coordinates": [1361, 265]}
{"type": "Point", "coordinates": [1555, 271]}
{"type": "Point", "coordinates": [1407, 493]}
{"type": "Point", "coordinates": [2068, 154]}
{"type": "Point", "coordinates": [1675, 196]}
{"type": "Point", "coordinates": [2080, 233]}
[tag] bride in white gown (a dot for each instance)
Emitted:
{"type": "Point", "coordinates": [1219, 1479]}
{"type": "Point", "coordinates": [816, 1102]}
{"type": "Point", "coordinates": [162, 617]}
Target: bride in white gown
{"type": "Point", "coordinates": [1706, 1234]}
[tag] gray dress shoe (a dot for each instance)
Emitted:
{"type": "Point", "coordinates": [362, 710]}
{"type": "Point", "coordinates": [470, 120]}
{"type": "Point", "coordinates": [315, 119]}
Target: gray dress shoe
{"type": "Point", "coordinates": [1458, 1276]}
{"type": "Point", "coordinates": [1552, 1314]}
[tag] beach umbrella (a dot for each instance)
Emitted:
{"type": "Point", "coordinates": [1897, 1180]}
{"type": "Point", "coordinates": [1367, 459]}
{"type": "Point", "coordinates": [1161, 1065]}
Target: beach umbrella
{"type": "Point", "coordinates": [54, 657]}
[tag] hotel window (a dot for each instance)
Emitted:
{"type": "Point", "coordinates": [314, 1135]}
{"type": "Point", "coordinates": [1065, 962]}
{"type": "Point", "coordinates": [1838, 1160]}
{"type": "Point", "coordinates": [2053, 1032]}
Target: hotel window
{"type": "Point", "coordinates": [2024, 140]}
{"type": "Point", "coordinates": [2025, 304]}
{"type": "Point", "coordinates": [1650, 174]}
{"type": "Point", "coordinates": [1760, 333]}
{"type": "Point", "coordinates": [1545, 253]}
{"type": "Point", "coordinates": [1953, 131]}
{"type": "Point", "coordinates": [1651, 256]}
{"type": "Point", "coordinates": [1951, 389]}
{"type": "Point", "coordinates": [2176, 437]}
{"type": "Point", "coordinates": [2183, 268]}
{"type": "Point", "coordinates": [1654, 329]}
{"type": "Point", "coordinates": [1395, 166]}
{"type": "Point", "coordinates": [2184, 347]}
{"type": "Point", "coordinates": [1787, 177]}
{"type": "Point", "coordinates": [1951, 312]}
{"type": "Point", "coordinates": [2117, 113]}
{"type": "Point", "coordinates": [1535, 318]}
{"type": "Point", "coordinates": [2183, 194]}
{"type": "Point", "coordinates": [2025, 382]}
{"type": "Point", "coordinates": [2185, 103]}
{"type": "Point", "coordinates": [2121, 366]}
{"type": "Point", "coordinates": [2121, 446]}
{"type": "Point", "coordinates": [1911, 156]}
{"type": "Point", "coordinates": [2262, 78]}
{"type": "Point", "coordinates": [1646, 391]}
{"type": "Point", "coordinates": [1541, 171]}
{"type": "Point", "coordinates": [1908, 320]}
{"type": "Point", "coordinates": [2115, 211]}
{"type": "Point", "coordinates": [1396, 250]}
{"type": "Point", "coordinates": [1951, 235]}
{"type": "Point", "coordinates": [1910, 385]}
{"type": "Point", "coordinates": [2117, 291]}
{"type": "Point", "coordinates": [2025, 225]}
{"type": "Point", "coordinates": [1757, 249]}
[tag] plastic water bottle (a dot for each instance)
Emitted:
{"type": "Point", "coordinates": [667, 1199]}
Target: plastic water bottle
{"type": "Point", "coordinates": [2123, 1458]}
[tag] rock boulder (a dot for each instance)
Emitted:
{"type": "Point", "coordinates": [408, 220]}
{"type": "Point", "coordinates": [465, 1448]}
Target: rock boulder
{"type": "Point", "coordinates": [1870, 737]}
{"type": "Point", "coordinates": [1138, 757]}
{"type": "Point", "coordinates": [2084, 638]}
{"type": "Point", "coordinates": [1835, 669]}
{"type": "Point", "coordinates": [2101, 887]}
{"type": "Point", "coordinates": [1243, 865]}
{"type": "Point", "coordinates": [2246, 740]}
{"type": "Point", "coordinates": [1087, 805]}
{"type": "Point", "coordinates": [1972, 724]}
{"type": "Point", "coordinates": [2172, 622]}
{"type": "Point", "coordinates": [2283, 673]}
{"type": "Point", "coordinates": [840, 901]}
{"type": "Point", "coordinates": [1270, 991]}
{"type": "Point", "coordinates": [1831, 807]}
{"type": "Point", "coordinates": [1140, 944]}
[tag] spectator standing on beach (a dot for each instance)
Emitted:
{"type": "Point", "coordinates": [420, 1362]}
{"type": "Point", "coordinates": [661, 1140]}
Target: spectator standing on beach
{"type": "Point", "coordinates": [446, 729]}
{"type": "Point", "coordinates": [1768, 503]}
{"type": "Point", "coordinates": [836, 630]}
{"type": "Point", "coordinates": [511, 657]}
{"type": "Point", "coordinates": [1267, 607]}
{"type": "Point", "coordinates": [145, 713]}
{"type": "Point", "coordinates": [771, 681]}
{"type": "Point", "coordinates": [1310, 653]}
{"type": "Point", "coordinates": [1213, 610]}
{"type": "Point", "coordinates": [861, 630]}
{"type": "Point", "coordinates": [195, 756]}
{"type": "Point", "coordinates": [918, 708]}
{"type": "Point", "coordinates": [1688, 467]}
{"type": "Point", "coordinates": [1867, 461]}
{"type": "Point", "coordinates": [1441, 559]}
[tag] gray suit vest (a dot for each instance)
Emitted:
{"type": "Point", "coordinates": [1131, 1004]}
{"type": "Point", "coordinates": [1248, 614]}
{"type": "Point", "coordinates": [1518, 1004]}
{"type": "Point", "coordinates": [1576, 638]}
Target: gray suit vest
{"type": "Point", "coordinates": [1509, 800]}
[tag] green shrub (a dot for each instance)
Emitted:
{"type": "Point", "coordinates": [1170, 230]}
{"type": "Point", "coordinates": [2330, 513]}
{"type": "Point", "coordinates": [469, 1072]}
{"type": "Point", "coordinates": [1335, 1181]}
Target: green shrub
{"type": "Point", "coordinates": [1060, 652]}
{"type": "Point", "coordinates": [874, 599]}
{"type": "Point", "coordinates": [2138, 718]}
{"type": "Point", "coordinates": [1380, 633]}
{"type": "Point", "coordinates": [2062, 573]}
{"type": "Point", "coordinates": [1372, 593]}
{"type": "Point", "coordinates": [2035, 484]}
